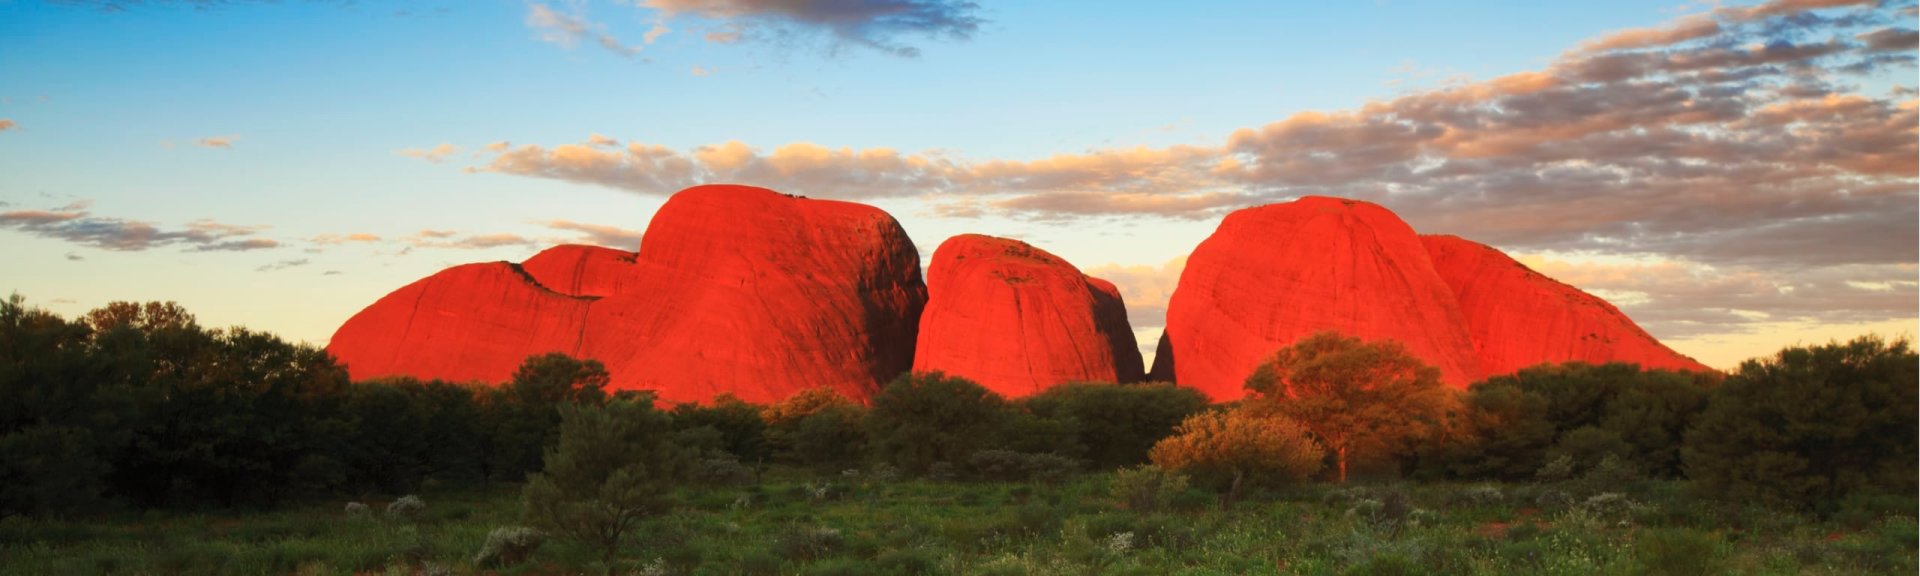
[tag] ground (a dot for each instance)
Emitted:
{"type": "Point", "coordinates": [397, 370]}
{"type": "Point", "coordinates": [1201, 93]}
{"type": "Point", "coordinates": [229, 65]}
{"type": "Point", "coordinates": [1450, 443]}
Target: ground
{"type": "Point", "coordinates": [859, 522]}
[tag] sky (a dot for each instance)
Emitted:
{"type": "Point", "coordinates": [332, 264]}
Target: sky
{"type": "Point", "coordinates": [1736, 177]}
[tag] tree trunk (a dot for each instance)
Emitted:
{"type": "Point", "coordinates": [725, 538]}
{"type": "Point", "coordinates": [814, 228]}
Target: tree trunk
{"type": "Point", "coordinates": [1340, 460]}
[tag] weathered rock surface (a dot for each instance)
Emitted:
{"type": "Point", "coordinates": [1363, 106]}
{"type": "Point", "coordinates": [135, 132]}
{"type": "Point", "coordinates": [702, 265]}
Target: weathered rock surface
{"type": "Point", "coordinates": [737, 289]}
{"type": "Point", "coordinates": [1272, 274]}
{"type": "Point", "coordinates": [761, 295]}
{"type": "Point", "coordinates": [469, 322]}
{"type": "Point", "coordinates": [581, 270]}
{"type": "Point", "coordinates": [1519, 318]}
{"type": "Point", "coordinates": [1018, 319]}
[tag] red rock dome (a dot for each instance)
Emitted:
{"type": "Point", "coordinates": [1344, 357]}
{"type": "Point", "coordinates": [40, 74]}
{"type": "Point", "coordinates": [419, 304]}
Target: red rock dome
{"type": "Point", "coordinates": [470, 322]}
{"type": "Point", "coordinates": [1519, 318]}
{"type": "Point", "coordinates": [736, 289]}
{"type": "Point", "coordinates": [1018, 319]}
{"type": "Point", "coordinates": [1272, 274]}
{"type": "Point", "coordinates": [761, 295]}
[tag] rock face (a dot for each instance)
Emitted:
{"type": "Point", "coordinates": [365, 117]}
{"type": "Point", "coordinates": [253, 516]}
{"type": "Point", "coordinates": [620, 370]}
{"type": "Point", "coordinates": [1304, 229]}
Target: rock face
{"type": "Point", "coordinates": [1018, 319]}
{"type": "Point", "coordinates": [583, 270]}
{"type": "Point", "coordinates": [759, 294]}
{"type": "Point", "coordinates": [470, 322]}
{"type": "Point", "coordinates": [1519, 318]}
{"type": "Point", "coordinates": [1273, 274]}
{"type": "Point", "coordinates": [737, 289]}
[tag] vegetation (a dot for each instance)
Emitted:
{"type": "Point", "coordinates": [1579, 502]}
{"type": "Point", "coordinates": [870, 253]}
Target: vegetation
{"type": "Point", "coordinates": [134, 440]}
{"type": "Point", "coordinates": [867, 526]}
{"type": "Point", "coordinates": [1238, 444]}
{"type": "Point", "coordinates": [614, 465]}
{"type": "Point", "coordinates": [1812, 426]}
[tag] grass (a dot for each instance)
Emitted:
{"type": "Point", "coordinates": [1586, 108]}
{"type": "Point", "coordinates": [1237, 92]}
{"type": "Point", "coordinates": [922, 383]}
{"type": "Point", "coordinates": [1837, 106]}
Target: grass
{"type": "Point", "coordinates": [795, 523]}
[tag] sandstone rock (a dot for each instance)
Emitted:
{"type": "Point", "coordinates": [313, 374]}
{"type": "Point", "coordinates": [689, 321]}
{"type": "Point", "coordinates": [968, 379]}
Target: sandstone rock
{"type": "Point", "coordinates": [761, 295]}
{"type": "Point", "coordinates": [1519, 318]}
{"type": "Point", "coordinates": [1018, 319]}
{"type": "Point", "coordinates": [583, 270]}
{"type": "Point", "coordinates": [736, 290]}
{"type": "Point", "coordinates": [474, 322]}
{"type": "Point", "coordinates": [1272, 274]}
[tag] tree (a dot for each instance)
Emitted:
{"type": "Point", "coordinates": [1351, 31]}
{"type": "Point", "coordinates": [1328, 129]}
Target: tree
{"type": "Point", "coordinates": [1239, 444]}
{"type": "Point", "coordinates": [524, 419]}
{"type": "Point", "coordinates": [1357, 398]}
{"type": "Point", "coordinates": [1518, 423]}
{"type": "Point", "coordinates": [1811, 425]}
{"type": "Point", "coordinates": [613, 466]}
{"type": "Point", "coordinates": [817, 427]}
{"type": "Point", "coordinates": [63, 415]}
{"type": "Point", "coordinates": [923, 418]}
{"type": "Point", "coordinates": [741, 432]}
{"type": "Point", "coordinates": [1116, 425]}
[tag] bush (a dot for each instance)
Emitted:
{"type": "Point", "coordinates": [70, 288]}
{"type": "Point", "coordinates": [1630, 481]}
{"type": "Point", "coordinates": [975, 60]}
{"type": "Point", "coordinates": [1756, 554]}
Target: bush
{"type": "Point", "coordinates": [739, 428]}
{"type": "Point", "coordinates": [1115, 425]}
{"type": "Point", "coordinates": [1233, 447]}
{"type": "Point", "coordinates": [408, 508]}
{"type": "Point", "coordinates": [1147, 489]}
{"type": "Point", "coordinates": [1010, 466]}
{"type": "Point", "coordinates": [923, 418]}
{"type": "Point", "coordinates": [722, 470]}
{"type": "Point", "coordinates": [509, 546]}
{"type": "Point", "coordinates": [1812, 425]}
{"type": "Point", "coordinates": [612, 467]}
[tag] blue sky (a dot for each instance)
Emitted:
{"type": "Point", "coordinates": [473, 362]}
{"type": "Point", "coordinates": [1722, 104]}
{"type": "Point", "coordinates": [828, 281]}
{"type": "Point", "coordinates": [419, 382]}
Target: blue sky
{"type": "Point", "coordinates": [295, 119]}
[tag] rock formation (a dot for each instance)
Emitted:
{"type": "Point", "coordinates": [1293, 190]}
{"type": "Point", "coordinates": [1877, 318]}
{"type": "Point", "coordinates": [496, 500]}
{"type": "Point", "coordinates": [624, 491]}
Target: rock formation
{"type": "Point", "coordinates": [1018, 319]}
{"type": "Point", "coordinates": [1272, 274]}
{"type": "Point", "coordinates": [583, 270]}
{"type": "Point", "coordinates": [736, 289]}
{"type": "Point", "coordinates": [470, 322]}
{"type": "Point", "coordinates": [1519, 318]}
{"type": "Point", "coordinates": [759, 294]}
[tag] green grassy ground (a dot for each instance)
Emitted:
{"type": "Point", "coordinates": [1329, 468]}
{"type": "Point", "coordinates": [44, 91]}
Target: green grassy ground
{"type": "Point", "coordinates": [853, 524]}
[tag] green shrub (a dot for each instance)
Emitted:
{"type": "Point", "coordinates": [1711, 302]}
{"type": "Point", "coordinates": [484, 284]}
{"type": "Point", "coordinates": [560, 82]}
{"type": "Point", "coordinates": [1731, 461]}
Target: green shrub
{"type": "Point", "coordinates": [923, 418]}
{"type": "Point", "coordinates": [1115, 425]}
{"type": "Point", "coordinates": [1010, 466]}
{"type": "Point", "coordinates": [1812, 425]}
{"type": "Point", "coordinates": [1147, 489]}
{"type": "Point", "coordinates": [613, 466]}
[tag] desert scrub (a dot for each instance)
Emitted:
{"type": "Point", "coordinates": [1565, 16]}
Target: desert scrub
{"type": "Point", "coordinates": [509, 546]}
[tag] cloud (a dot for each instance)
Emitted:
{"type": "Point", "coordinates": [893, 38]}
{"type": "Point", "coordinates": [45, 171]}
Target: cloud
{"type": "Point", "coordinates": [282, 265]}
{"type": "Point", "coordinates": [332, 273]}
{"type": "Point", "coordinates": [435, 154]}
{"type": "Point", "coordinates": [568, 30]}
{"type": "Point", "coordinates": [698, 71]}
{"type": "Point", "coordinates": [1677, 298]}
{"type": "Point", "coordinates": [337, 239]}
{"type": "Point", "coordinates": [7, 124]}
{"type": "Point", "coordinates": [599, 234]}
{"type": "Point", "coordinates": [81, 227]}
{"type": "Point", "coordinates": [877, 24]}
{"type": "Point", "coordinates": [1145, 288]}
{"type": "Point", "coordinates": [220, 142]}
{"type": "Point", "coordinates": [452, 240]}
{"type": "Point", "coordinates": [71, 257]}
{"type": "Point", "coordinates": [602, 141]}
{"type": "Point", "coordinates": [1687, 28]}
